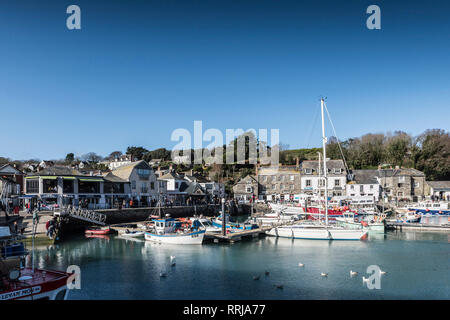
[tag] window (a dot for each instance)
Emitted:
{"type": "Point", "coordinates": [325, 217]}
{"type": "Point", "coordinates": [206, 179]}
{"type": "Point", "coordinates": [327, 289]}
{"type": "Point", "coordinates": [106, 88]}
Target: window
{"type": "Point", "coordinates": [401, 179]}
{"type": "Point", "coordinates": [371, 187]}
{"type": "Point", "coordinates": [352, 187]}
{"type": "Point", "coordinates": [361, 189]}
{"type": "Point", "coordinates": [416, 184]}
{"type": "Point", "coordinates": [152, 185]}
{"type": "Point", "coordinates": [337, 182]}
{"type": "Point", "coordinates": [308, 183]}
{"type": "Point", "coordinates": [321, 183]}
{"type": "Point", "coordinates": [308, 171]}
{"type": "Point", "coordinates": [33, 186]}
{"type": "Point", "coordinates": [292, 178]}
{"type": "Point", "coordinates": [133, 184]}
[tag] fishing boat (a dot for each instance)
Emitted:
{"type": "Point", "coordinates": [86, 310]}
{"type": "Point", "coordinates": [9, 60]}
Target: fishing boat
{"type": "Point", "coordinates": [98, 230]}
{"type": "Point", "coordinates": [429, 208]}
{"type": "Point", "coordinates": [168, 231]}
{"type": "Point", "coordinates": [409, 217]}
{"type": "Point", "coordinates": [233, 225]}
{"type": "Point", "coordinates": [18, 282]}
{"type": "Point", "coordinates": [205, 224]}
{"type": "Point", "coordinates": [318, 231]}
{"type": "Point", "coordinates": [372, 223]}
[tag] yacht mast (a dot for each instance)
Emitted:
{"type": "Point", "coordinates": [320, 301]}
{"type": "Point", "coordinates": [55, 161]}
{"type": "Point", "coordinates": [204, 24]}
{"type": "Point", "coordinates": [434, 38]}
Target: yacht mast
{"type": "Point", "coordinates": [320, 193]}
{"type": "Point", "coordinates": [324, 142]}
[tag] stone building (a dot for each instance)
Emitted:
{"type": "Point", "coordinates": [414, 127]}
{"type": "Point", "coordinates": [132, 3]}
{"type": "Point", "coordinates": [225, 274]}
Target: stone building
{"type": "Point", "coordinates": [246, 188]}
{"type": "Point", "coordinates": [279, 183]}
{"type": "Point", "coordinates": [439, 190]}
{"type": "Point", "coordinates": [402, 184]}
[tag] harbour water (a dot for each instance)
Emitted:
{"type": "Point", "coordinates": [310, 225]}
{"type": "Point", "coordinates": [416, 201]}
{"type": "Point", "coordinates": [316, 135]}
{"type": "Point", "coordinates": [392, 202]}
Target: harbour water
{"type": "Point", "coordinates": [417, 265]}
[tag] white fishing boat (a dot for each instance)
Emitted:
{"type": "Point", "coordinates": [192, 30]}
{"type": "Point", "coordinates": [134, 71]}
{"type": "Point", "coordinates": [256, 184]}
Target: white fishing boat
{"type": "Point", "coordinates": [166, 231]}
{"type": "Point", "coordinates": [205, 224]}
{"type": "Point", "coordinates": [373, 223]}
{"type": "Point", "coordinates": [319, 231]}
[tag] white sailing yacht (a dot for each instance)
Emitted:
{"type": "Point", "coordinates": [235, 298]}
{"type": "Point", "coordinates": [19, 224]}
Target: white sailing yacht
{"type": "Point", "coordinates": [318, 231]}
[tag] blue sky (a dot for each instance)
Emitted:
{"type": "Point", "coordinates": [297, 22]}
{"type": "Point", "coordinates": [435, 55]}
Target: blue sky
{"type": "Point", "coordinates": [137, 70]}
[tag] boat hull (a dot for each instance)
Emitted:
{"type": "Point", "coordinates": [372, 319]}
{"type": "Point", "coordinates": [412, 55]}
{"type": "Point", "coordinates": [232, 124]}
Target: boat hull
{"type": "Point", "coordinates": [185, 238]}
{"type": "Point", "coordinates": [318, 233]}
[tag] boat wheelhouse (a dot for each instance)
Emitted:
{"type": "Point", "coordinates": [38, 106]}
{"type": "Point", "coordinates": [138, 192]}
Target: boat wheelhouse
{"type": "Point", "coordinates": [171, 231]}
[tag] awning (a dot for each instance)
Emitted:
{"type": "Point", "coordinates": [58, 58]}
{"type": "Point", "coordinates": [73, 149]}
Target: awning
{"type": "Point", "coordinates": [68, 178]}
{"type": "Point", "coordinates": [28, 196]}
{"type": "Point", "coordinates": [32, 177]}
{"type": "Point", "coordinates": [49, 177]}
{"type": "Point", "coordinates": [91, 180]}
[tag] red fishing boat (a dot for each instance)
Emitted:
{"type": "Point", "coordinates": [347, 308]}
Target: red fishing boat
{"type": "Point", "coordinates": [26, 283]}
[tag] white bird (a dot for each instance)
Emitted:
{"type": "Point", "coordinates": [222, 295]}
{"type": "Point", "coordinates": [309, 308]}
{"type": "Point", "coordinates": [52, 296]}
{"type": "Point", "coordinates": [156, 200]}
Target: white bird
{"type": "Point", "coordinates": [382, 272]}
{"type": "Point", "coordinates": [365, 279]}
{"type": "Point", "coordinates": [353, 273]}
{"type": "Point", "coordinates": [162, 274]}
{"type": "Point", "coordinates": [323, 274]}
{"type": "Point", "coordinates": [301, 264]}
{"type": "Point", "coordinates": [172, 260]}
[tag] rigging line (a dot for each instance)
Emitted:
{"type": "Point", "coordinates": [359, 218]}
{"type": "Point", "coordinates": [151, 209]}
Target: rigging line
{"type": "Point", "coordinates": [335, 134]}
{"type": "Point", "coordinates": [313, 126]}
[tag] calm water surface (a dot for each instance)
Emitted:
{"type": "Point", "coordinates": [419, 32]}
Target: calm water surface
{"type": "Point", "coordinates": [417, 265]}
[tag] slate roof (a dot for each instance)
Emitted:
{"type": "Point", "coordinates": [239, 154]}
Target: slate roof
{"type": "Point", "coordinates": [365, 176]}
{"type": "Point", "coordinates": [400, 172]}
{"type": "Point", "coordinates": [331, 164]}
{"type": "Point", "coordinates": [58, 171]}
{"type": "Point", "coordinates": [125, 171]}
{"type": "Point", "coordinates": [444, 185]}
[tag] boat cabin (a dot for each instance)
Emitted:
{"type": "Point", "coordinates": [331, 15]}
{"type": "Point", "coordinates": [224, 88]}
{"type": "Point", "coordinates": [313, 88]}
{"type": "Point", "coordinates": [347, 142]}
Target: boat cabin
{"type": "Point", "coordinates": [163, 226]}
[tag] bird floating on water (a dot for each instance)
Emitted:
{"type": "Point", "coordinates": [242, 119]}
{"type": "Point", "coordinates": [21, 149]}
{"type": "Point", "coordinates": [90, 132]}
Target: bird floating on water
{"type": "Point", "coordinates": [256, 277]}
{"type": "Point", "coordinates": [382, 272]}
{"type": "Point", "coordinates": [162, 274]}
{"type": "Point", "coordinates": [301, 264]}
{"type": "Point", "coordinates": [323, 274]}
{"type": "Point", "coordinates": [172, 260]}
{"type": "Point", "coordinates": [353, 273]}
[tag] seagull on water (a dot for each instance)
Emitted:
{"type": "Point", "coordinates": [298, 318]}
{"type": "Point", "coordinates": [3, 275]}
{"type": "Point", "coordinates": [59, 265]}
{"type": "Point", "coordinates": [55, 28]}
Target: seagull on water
{"type": "Point", "coordinates": [162, 274]}
{"type": "Point", "coordinates": [382, 272]}
{"type": "Point", "coordinates": [172, 260]}
{"type": "Point", "coordinates": [353, 273]}
{"type": "Point", "coordinates": [301, 264]}
{"type": "Point", "coordinates": [323, 274]}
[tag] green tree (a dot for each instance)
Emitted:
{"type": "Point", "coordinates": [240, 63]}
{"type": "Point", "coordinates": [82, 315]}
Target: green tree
{"type": "Point", "coordinates": [70, 157]}
{"type": "Point", "coordinates": [137, 152]}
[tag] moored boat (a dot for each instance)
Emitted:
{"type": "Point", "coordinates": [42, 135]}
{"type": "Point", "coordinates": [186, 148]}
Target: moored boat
{"type": "Point", "coordinates": [98, 230]}
{"type": "Point", "coordinates": [167, 231]}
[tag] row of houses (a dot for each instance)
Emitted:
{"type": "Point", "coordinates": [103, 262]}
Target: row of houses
{"type": "Point", "coordinates": [134, 181]}
{"type": "Point", "coordinates": [307, 178]}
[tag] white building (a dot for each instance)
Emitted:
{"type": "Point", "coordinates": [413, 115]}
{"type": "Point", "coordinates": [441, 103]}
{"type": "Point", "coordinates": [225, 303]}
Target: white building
{"type": "Point", "coordinates": [364, 184]}
{"type": "Point", "coordinates": [122, 160]}
{"type": "Point", "coordinates": [312, 180]}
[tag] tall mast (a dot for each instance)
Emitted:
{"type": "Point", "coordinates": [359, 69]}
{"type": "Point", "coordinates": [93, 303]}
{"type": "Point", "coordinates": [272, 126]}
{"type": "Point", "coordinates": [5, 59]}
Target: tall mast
{"type": "Point", "coordinates": [324, 142]}
{"type": "Point", "coordinates": [320, 193]}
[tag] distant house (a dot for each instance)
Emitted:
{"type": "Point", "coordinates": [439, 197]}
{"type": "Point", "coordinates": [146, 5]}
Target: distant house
{"type": "Point", "coordinates": [364, 187]}
{"type": "Point", "coordinates": [246, 188]}
{"type": "Point", "coordinates": [439, 190]}
{"type": "Point", "coordinates": [402, 184]}
{"type": "Point", "coordinates": [155, 162]}
{"type": "Point", "coordinates": [176, 187]}
{"type": "Point", "coordinates": [279, 183]}
{"type": "Point", "coordinates": [121, 160]}
{"type": "Point", "coordinates": [313, 182]}
{"type": "Point", "coordinates": [143, 185]}
{"type": "Point", "coordinates": [46, 164]}
{"type": "Point", "coordinates": [9, 173]}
